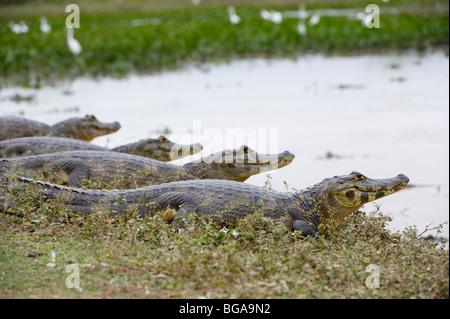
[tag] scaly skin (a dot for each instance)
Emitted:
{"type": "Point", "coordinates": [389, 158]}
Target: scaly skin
{"type": "Point", "coordinates": [160, 149]}
{"type": "Point", "coordinates": [86, 128]}
{"type": "Point", "coordinates": [135, 171]}
{"type": "Point", "coordinates": [316, 210]}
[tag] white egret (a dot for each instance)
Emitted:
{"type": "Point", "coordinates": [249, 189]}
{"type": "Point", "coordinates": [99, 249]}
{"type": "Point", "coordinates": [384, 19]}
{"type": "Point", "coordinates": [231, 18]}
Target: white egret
{"type": "Point", "coordinates": [302, 15]}
{"type": "Point", "coordinates": [23, 27]}
{"type": "Point", "coordinates": [16, 28]}
{"type": "Point", "coordinates": [273, 16]}
{"type": "Point", "coordinates": [315, 19]}
{"type": "Point", "coordinates": [74, 45]}
{"type": "Point", "coordinates": [301, 28]}
{"type": "Point", "coordinates": [266, 15]}
{"type": "Point", "coordinates": [276, 17]}
{"type": "Point", "coordinates": [234, 18]}
{"type": "Point", "coordinates": [365, 19]}
{"type": "Point", "coordinates": [45, 27]}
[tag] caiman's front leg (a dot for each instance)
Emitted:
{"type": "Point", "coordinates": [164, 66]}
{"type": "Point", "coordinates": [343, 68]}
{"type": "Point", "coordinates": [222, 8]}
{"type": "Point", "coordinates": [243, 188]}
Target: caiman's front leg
{"type": "Point", "coordinates": [77, 170]}
{"type": "Point", "coordinates": [183, 203]}
{"type": "Point", "coordinates": [305, 228]}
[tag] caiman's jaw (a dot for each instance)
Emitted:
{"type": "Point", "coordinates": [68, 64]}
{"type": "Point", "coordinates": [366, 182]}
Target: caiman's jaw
{"type": "Point", "coordinates": [164, 150]}
{"type": "Point", "coordinates": [355, 190]}
{"type": "Point", "coordinates": [239, 165]}
{"type": "Point", "coordinates": [91, 128]}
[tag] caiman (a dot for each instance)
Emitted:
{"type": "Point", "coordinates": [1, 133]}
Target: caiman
{"type": "Point", "coordinates": [131, 171]}
{"type": "Point", "coordinates": [316, 210]}
{"type": "Point", "coordinates": [159, 148]}
{"type": "Point", "coordinates": [82, 128]}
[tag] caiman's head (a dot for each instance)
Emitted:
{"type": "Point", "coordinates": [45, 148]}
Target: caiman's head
{"type": "Point", "coordinates": [238, 165]}
{"type": "Point", "coordinates": [355, 190]}
{"type": "Point", "coordinates": [87, 128]}
{"type": "Point", "coordinates": [163, 150]}
{"type": "Point", "coordinates": [340, 196]}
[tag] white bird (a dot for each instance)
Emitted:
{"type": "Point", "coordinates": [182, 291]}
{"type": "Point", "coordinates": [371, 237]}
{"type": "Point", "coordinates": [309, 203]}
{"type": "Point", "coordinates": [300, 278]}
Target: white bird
{"type": "Point", "coordinates": [365, 19]}
{"type": "Point", "coordinates": [74, 45]}
{"type": "Point", "coordinates": [276, 17]}
{"type": "Point", "coordinates": [234, 18]}
{"type": "Point", "coordinates": [273, 16]}
{"type": "Point", "coordinates": [315, 19]}
{"type": "Point", "coordinates": [16, 28]}
{"type": "Point", "coordinates": [302, 15]}
{"type": "Point", "coordinates": [23, 27]}
{"type": "Point", "coordinates": [301, 28]}
{"type": "Point", "coordinates": [265, 15]}
{"type": "Point", "coordinates": [45, 27]}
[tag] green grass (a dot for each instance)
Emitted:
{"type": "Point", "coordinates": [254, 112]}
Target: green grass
{"type": "Point", "coordinates": [112, 47]}
{"type": "Point", "coordinates": [132, 257]}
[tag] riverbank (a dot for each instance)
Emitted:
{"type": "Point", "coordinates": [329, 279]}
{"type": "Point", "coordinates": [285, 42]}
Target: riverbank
{"type": "Point", "coordinates": [44, 247]}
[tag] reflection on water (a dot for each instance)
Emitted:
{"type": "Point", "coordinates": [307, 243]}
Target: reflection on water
{"type": "Point", "coordinates": [380, 115]}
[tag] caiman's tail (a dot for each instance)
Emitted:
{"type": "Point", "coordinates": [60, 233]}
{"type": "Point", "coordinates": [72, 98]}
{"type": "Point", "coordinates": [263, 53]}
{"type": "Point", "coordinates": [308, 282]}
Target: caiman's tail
{"type": "Point", "coordinates": [11, 186]}
{"type": "Point", "coordinates": [5, 203]}
{"type": "Point", "coordinates": [4, 165]}
{"type": "Point", "coordinates": [19, 184]}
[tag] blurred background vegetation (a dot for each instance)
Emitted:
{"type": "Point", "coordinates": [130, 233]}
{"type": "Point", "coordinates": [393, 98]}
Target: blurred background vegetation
{"type": "Point", "coordinates": [119, 37]}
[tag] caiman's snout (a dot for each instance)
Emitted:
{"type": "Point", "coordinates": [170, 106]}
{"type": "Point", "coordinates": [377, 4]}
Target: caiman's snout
{"type": "Point", "coordinates": [196, 148]}
{"type": "Point", "coordinates": [269, 162]}
{"type": "Point", "coordinates": [285, 158]}
{"type": "Point", "coordinates": [114, 126]}
{"type": "Point", "coordinates": [179, 150]}
{"type": "Point", "coordinates": [286, 155]}
{"type": "Point", "coordinates": [403, 178]}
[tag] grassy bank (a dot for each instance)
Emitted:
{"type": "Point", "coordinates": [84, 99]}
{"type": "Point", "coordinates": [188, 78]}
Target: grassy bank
{"type": "Point", "coordinates": [174, 34]}
{"type": "Point", "coordinates": [129, 256]}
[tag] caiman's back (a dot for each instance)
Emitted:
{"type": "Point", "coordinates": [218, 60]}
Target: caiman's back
{"type": "Point", "coordinates": [36, 145]}
{"type": "Point", "coordinates": [73, 167]}
{"type": "Point", "coordinates": [14, 126]}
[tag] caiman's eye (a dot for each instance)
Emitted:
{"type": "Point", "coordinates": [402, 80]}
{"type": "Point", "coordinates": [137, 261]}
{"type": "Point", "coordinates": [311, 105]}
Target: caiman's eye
{"type": "Point", "coordinates": [360, 176]}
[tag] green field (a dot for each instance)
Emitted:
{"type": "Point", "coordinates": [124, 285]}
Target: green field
{"type": "Point", "coordinates": [185, 33]}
